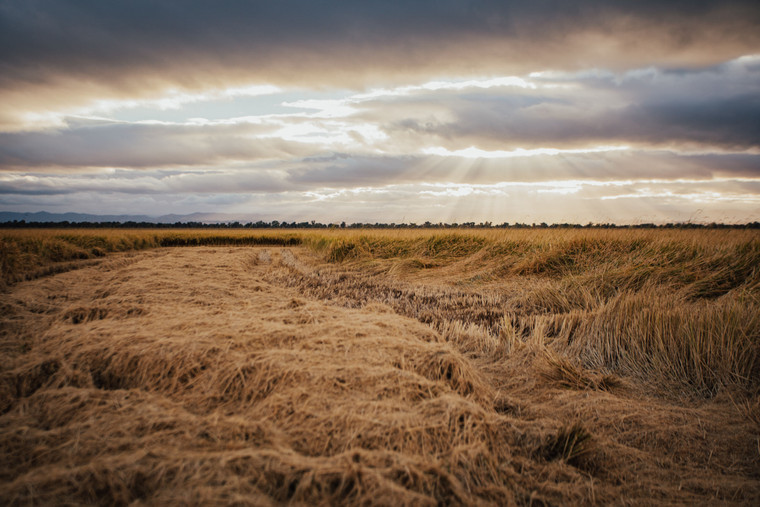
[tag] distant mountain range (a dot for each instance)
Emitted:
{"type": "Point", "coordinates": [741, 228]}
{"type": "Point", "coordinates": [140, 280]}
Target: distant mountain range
{"type": "Point", "coordinates": [44, 216]}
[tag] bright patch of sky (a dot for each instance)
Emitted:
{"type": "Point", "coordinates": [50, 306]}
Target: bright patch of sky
{"type": "Point", "coordinates": [221, 107]}
{"type": "Point", "coordinates": [263, 100]}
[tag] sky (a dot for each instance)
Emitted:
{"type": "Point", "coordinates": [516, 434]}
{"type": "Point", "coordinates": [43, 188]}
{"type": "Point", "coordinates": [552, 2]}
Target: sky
{"type": "Point", "coordinates": [383, 111]}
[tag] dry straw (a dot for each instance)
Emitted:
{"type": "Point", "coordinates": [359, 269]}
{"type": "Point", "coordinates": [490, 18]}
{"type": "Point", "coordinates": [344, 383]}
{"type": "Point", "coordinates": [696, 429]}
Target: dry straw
{"type": "Point", "coordinates": [380, 367]}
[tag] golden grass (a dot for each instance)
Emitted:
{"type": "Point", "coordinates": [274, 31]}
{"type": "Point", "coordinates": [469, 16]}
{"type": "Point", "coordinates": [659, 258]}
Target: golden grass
{"type": "Point", "coordinates": [678, 305]}
{"type": "Point", "coordinates": [673, 307]}
{"type": "Point", "coordinates": [380, 367]}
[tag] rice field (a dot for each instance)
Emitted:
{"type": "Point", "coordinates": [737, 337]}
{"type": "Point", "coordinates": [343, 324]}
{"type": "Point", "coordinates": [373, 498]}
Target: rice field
{"type": "Point", "coordinates": [410, 367]}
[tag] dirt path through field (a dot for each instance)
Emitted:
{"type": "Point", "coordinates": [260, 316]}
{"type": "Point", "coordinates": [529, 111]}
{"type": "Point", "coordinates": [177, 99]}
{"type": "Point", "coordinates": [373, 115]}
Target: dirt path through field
{"type": "Point", "coordinates": [185, 375]}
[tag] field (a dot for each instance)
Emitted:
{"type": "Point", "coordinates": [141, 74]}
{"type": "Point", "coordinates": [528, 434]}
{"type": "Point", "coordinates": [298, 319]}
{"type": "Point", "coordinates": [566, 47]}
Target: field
{"type": "Point", "coordinates": [421, 367]}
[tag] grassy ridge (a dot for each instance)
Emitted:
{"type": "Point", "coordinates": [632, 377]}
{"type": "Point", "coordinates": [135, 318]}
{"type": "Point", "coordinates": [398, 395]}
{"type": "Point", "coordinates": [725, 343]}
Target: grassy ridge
{"type": "Point", "coordinates": [710, 262]}
{"type": "Point", "coordinates": [29, 253]}
{"type": "Point", "coordinates": [552, 250]}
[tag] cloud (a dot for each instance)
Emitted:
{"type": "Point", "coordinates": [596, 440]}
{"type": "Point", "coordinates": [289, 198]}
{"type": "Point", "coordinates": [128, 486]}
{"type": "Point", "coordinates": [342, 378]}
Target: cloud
{"type": "Point", "coordinates": [140, 145]}
{"type": "Point", "coordinates": [62, 53]}
{"type": "Point", "coordinates": [718, 107]}
{"type": "Point", "coordinates": [463, 110]}
{"type": "Point", "coordinates": [153, 182]}
{"type": "Point", "coordinates": [592, 124]}
{"type": "Point", "coordinates": [527, 202]}
{"type": "Point", "coordinates": [345, 173]}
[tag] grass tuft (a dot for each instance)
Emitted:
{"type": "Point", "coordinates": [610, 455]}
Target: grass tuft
{"type": "Point", "coordinates": [572, 443]}
{"type": "Point", "coordinates": [565, 373]}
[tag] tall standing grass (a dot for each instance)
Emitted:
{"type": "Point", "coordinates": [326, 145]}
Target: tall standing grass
{"type": "Point", "coordinates": [704, 344]}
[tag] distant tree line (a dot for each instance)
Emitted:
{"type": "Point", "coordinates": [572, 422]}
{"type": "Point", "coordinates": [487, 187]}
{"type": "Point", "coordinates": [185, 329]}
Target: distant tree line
{"type": "Point", "coordinates": [275, 224]}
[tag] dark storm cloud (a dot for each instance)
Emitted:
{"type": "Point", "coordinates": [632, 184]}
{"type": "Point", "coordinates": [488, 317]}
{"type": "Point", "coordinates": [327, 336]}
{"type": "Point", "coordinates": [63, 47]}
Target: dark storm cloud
{"type": "Point", "coordinates": [110, 144]}
{"type": "Point", "coordinates": [155, 182]}
{"type": "Point", "coordinates": [733, 122]}
{"type": "Point", "coordinates": [128, 48]}
{"type": "Point", "coordinates": [353, 171]}
{"type": "Point", "coordinates": [730, 122]}
{"type": "Point", "coordinates": [717, 106]}
{"type": "Point", "coordinates": [344, 170]}
{"type": "Point", "coordinates": [736, 164]}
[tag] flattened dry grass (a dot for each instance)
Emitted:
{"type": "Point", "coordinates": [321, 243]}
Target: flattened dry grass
{"type": "Point", "coordinates": [382, 367]}
{"type": "Point", "coordinates": [671, 308]}
{"type": "Point", "coordinates": [235, 404]}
